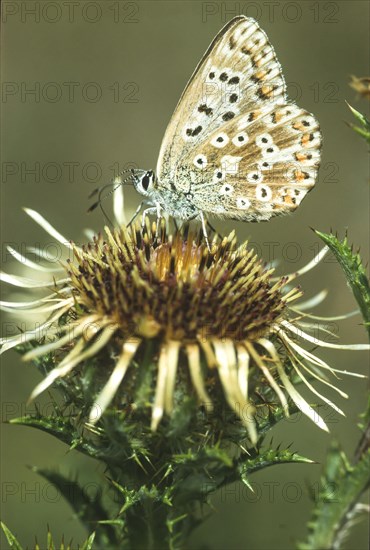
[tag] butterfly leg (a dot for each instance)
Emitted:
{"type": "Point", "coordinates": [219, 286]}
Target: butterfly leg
{"type": "Point", "coordinates": [146, 212]}
{"type": "Point", "coordinates": [138, 209]}
{"type": "Point", "coordinates": [159, 216]}
{"type": "Point", "coordinates": [214, 230]}
{"type": "Point", "coordinates": [204, 227]}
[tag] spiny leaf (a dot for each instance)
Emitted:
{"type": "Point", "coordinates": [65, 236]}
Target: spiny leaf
{"type": "Point", "coordinates": [340, 489]}
{"type": "Point", "coordinates": [89, 510]}
{"type": "Point", "coordinates": [268, 458]}
{"type": "Point", "coordinates": [204, 457]}
{"type": "Point", "coordinates": [60, 427]}
{"type": "Point", "coordinates": [364, 425]}
{"type": "Point", "coordinates": [354, 271]}
{"type": "Point", "coordinates": [117, 522]}
{"type": "Point", "coordinates": [342, 484]}
{"type": "Point", "coordinates": [88, 544]}
{"type": "Point", "coordinates": [50, 543]}
{"type": "Point", "coordinates": [13, 543]}
{"type": "Point", "coordinates": [364, 129]}
{"type": "Point", "coordinates": [271, 457]}
{"type": "Point", "coordinates": [145, 514]}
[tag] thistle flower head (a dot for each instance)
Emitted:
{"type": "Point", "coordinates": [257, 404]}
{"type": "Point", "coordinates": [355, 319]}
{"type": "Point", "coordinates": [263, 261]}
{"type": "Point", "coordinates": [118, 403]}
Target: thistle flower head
{"type": "Point", "coordinates": [174, 287]}
{"type": "Point", "coordinates": [215, 314]}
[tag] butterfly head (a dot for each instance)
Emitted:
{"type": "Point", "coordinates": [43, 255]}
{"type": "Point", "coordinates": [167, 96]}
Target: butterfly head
{"type": "Point", "coordinates": [144, 181]}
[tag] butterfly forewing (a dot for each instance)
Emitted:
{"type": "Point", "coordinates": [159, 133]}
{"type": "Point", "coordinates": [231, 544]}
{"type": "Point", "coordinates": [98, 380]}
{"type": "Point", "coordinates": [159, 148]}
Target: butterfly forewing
{"type": "Point", "coordinates": [234, 141]}
{"type": "Point", "coordinates": [223, 85]}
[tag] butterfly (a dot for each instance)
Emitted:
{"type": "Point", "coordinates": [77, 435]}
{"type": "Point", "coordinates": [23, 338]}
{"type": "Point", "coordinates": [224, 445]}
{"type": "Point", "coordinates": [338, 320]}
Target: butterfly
{"type": "Point", "coordinates": [235, 147]}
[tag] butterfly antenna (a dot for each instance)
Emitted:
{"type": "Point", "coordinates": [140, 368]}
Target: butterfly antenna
{"type": "Point", "coordinates": [101, 189]}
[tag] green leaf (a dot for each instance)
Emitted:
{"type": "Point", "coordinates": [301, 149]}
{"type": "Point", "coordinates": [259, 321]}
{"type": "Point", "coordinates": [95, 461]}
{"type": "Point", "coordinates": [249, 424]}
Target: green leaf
{"type": "Point", "coordinates": [88, 544]}
{"type": "Point", "coordinates": [342, 484]}
{"type": "Point", "coordinates": [271, 457]}
{"type": "Point", "coordinates": [145, 513]}
{"type": "Point", "coordinates": [50, 543]}
{"type": "Point", "coordinates": [88, 510]}
{"type": "Point", "coordinates": [63, 429]}
{"type": "Point", "coordinates": [364, 129]}
{"type": "Point", "coordinates": [354, 271]}
{"type": "Point", "coordinates": [341, 487]}
{"type": "Point", "coordinates": [13, 543]}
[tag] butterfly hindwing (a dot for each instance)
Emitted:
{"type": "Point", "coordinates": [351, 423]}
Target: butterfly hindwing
{"type": "Point", "coordinates": [257, 167]}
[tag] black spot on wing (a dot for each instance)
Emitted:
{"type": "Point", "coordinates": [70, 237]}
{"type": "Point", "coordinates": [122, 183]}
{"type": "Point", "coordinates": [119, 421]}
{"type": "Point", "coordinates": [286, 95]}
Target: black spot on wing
{"type": "Point", "coordinates": [234, 80]}
{"type": "Point", "coordinates": [228, 116]}
{"type": "Point", "coordinates": [205, 109]}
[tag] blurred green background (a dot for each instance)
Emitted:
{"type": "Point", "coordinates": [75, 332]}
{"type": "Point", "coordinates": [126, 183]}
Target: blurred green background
{"type": "Point", "coordinates": [107, 77]}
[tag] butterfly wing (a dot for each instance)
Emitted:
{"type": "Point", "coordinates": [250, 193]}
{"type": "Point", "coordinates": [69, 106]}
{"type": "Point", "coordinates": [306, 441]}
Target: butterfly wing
{"type": "Point", "coordinates": [258, 165]}
{"type": "Point", "coordinates": [237, 93]}
{"type": "Point", "coordinates": [228, 68]}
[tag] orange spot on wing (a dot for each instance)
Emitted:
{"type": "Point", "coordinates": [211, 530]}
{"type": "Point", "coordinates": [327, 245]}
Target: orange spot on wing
{"type": "Point", "coordinates": [261, 75]}
{"type": "Point", "coordinates": [300, 157]}
{"type": "Point", "coordinates": [278, 116]}
{"type": "Point", "coordinates": [288, 200]}
{"type": "Point", "coordinates": [305, 141]}
{"type": "Point", "coordinates": [267, 90]}
{"type": "Point", "coordinates": [299, 175]}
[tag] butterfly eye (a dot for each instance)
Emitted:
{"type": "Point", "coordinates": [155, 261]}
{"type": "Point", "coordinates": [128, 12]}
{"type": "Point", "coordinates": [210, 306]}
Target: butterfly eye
{"type": "Point", "coordinates": [147, 180]}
